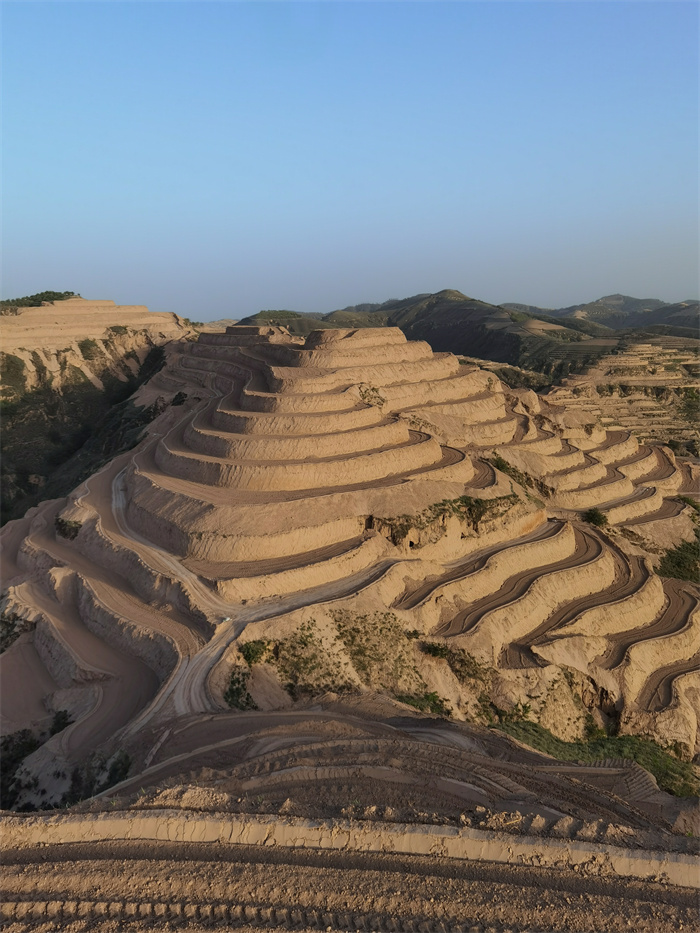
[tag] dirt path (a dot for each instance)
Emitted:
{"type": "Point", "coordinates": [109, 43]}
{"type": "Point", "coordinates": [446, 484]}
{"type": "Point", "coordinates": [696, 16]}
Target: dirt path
{"type": "Point", "coordinates": [669, 509]}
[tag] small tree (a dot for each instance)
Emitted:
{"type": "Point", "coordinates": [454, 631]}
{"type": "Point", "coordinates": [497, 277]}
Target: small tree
{"type": "Point", "coordinates": [595, 517]}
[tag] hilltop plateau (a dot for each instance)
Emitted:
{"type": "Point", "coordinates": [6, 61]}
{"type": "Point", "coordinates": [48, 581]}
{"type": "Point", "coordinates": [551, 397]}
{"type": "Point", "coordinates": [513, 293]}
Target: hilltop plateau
{"type": "Point", "coordinates": [350, 593]}
{"type": "Point", "coordinates": [66, 365]}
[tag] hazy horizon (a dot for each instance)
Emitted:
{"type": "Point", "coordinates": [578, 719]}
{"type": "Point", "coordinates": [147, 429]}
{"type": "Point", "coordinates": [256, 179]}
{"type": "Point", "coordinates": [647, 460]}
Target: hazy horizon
{"type": "Point", "coordinates": [216, 159]}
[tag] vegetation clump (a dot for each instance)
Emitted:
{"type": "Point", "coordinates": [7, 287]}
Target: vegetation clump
{"type": "Point", "coordinates": [254, 651]}
{"type": "Point", "coordinates": [11, 627]}
{"type": "Point", "coordinates": [67, 528]}
{"type": "Point", "coordinates": [237, 695]}
{"type": "Point", "coordinates": [672, 775]}
{"type": "Point", "coordinates": [427, 703]}
{"type": "Point", "coordinates": [682, 562]}
{"type": "Point", "coordinates": [90, 778]}
{"type": "Point", "coordinates": [469, 510]}
{"type": "Point", "coordinates": [595, 517]}
{"type": "Point", "coordinates": [12, 374]}
{"type": "Point", "coordinates": [463, 665]}
{"type": "Point", "coordinates": [370, 396]}
{"type": "Point", "coordinates": [522, 479]}
{"type": "Point", "coordinates": [10, 305]}
{"type": "Point", "coordinates": [14, 748]}
{"type": "Point", "coordinates": [690, 405]}
{"type": "Point", "coordinates": [89, 349]}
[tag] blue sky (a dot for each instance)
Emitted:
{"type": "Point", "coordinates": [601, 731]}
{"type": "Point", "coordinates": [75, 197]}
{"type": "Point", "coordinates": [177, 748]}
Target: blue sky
{"type": "Point", "coordinates": [218, 158]}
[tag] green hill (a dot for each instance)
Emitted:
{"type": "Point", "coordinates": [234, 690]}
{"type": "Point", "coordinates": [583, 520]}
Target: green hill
{"type": "Point", "coordinates": [621, 312]}
{"type": "Point", "coordinates": [450, 321]}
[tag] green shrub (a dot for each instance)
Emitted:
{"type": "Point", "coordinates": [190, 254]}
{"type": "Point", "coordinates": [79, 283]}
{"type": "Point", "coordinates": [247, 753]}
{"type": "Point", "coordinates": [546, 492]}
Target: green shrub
{"type": "Point", "coordinates": [672, 775]}
{"type": "Point", "coordinates": [67, 529]}
{"type": "Point", "coordinates": [11, 305]}
{"type": "Point", "coordinates": [595, 517]}
{"type": "Point", "coordinates": [60, 721]}
{"type": "Point", "coordinates": [237, 695]}
{"type": "Point", "coordinates": [682, 562]}
{"type": "Point", "coordinates": [118, 770]}
{"type": "Point", "coordinates": [254, 651]}
{"type": "Point", "coordinates": [14, 749]}
{"type": "Point", "coordinates": [463, 665]}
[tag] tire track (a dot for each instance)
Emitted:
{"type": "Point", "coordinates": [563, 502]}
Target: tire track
{"type": "Point", "coordinates": [674, 617]}
{"type": "Point", "coordinates": [475, 562]}
{"type": "Point", "coordinates": [657, 693]}
{"type": "Point", "coordinates": [588, 549]}
{"type": "Point", "coordinates": [631, 574]}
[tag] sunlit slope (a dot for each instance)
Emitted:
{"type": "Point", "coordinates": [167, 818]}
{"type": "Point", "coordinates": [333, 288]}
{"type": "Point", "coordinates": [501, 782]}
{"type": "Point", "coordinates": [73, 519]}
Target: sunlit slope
{"type": "Point", "coordinates": [309, 488]}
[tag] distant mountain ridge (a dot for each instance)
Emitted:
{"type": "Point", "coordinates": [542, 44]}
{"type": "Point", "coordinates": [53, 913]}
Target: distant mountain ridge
{"type": "Point", "coordinates": [555, 341]}
{"type": "Point", "coordinates": [620, 312]}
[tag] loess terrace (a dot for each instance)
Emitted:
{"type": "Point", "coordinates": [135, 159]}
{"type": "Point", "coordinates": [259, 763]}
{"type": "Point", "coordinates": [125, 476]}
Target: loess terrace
{"type": "Point", "coordinates": [330, 534]}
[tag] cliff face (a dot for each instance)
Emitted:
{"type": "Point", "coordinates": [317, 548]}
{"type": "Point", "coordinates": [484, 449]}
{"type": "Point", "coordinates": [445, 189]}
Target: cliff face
{"type": "Point", "coordinates": [63, 367]}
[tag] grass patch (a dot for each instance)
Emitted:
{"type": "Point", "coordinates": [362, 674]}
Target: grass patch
{"type": "Point", "coordinates": [379, 650]}
{"type": "Point", "coordinates": [463, 665]}
{"type": "Point", "coordinates": [307, 665]}
{"type": "Point", "coordinates": [427, 703]}
{"type": "Point", "coordinates": [89, 349]}
{"type": "Point", "coordinates": [682, 562]}
{"type": "Point", "coordinates": [522, 479]}
{"type": "Point", "coordinates": [676, 777]}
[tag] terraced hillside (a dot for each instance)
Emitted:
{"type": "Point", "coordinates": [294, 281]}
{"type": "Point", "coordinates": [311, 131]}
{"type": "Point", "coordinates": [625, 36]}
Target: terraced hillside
{"type": "Point", "coordinates": [651, 388]}
{"type": "Point", "coordinates": [65, 366]}
{"type": "Point", "coordinates": [322, 540]}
